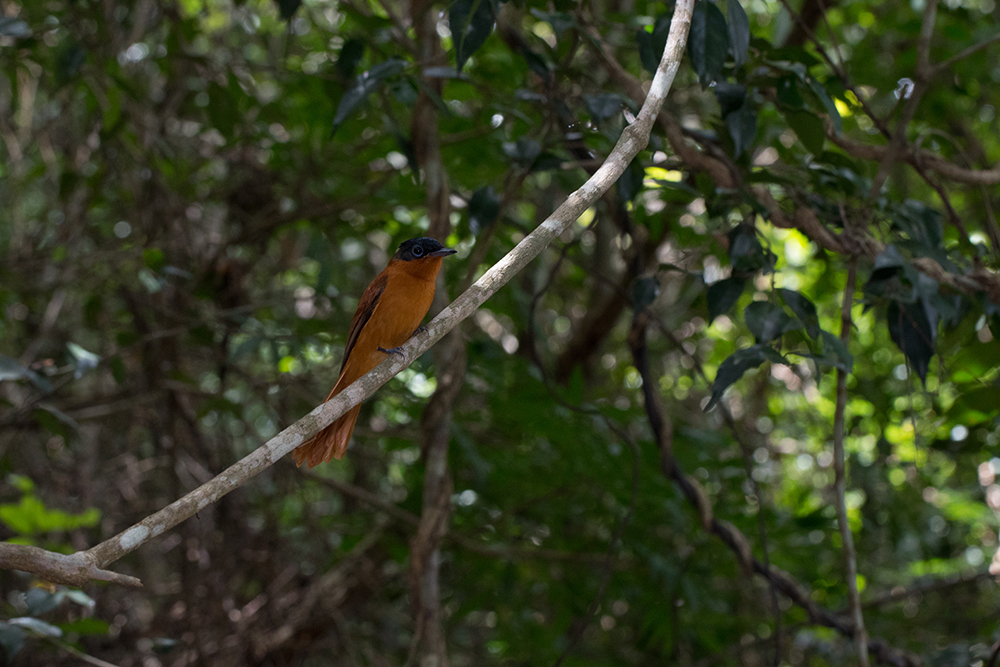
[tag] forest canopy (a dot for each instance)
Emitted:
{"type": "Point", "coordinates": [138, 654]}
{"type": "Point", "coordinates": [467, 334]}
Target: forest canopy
{"type": "Point", "coordinates": [743, 410]}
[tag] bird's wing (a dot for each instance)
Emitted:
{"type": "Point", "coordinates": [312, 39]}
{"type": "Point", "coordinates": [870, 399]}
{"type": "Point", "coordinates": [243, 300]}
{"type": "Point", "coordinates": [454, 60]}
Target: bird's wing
{"type": "Point", "coordinates": [364, 313]}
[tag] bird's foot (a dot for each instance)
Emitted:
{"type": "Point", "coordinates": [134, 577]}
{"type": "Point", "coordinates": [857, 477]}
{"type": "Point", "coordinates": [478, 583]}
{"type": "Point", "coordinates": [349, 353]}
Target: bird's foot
{"type": "Point", "coordinates": [392, 350]}
{"type": "Point", "coordinates": [418, 330]}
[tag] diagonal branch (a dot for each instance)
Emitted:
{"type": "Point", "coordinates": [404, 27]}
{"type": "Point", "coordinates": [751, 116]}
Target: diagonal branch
{"type": "Point", "coordinates": [633, 139]}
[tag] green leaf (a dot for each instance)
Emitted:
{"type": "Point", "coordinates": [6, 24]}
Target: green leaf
{"type": "Point", "coordinates": [808, 128]}
{"type": "Point", "coordinates": [708, 42]}
{"type": "Point", "coordinates": [723, 295]}
{"type": "Point", "coordinates": [831, 108]}
{"type": "Point", "coordinates": [835, 353]}
{"type": "Point", "coordinates": [523, 151]}
{"type": "Point", "coordinates": [11, 639]}
{"type": "Point", "coordinates": [767, 321]}
{"type": "Point", "coordinates": [41, 601]}
{"type": "Point", "coordinates": [484, 207]}
{"type": "Point", "coordinates": [80, 598]}
{"type": "Point", "coordinates": [738, 363]}
{"type": "Point", "coordinates": [746, 252]}
{"type": "Point", "coordinates": [603, 106]}
{"type": "Point", "coordinates": [56, 421]}
{"type": "Point", "coordinates": [629, 184]}
{"type": "Point", "coordinates": [13, 27]}
{"type": "Point", "coordinates": [86, 627]}
{"type": "Point", "coordinates": [40, 628]}
{"type": "Point", "coordinates": [471, 22]}
{"type": "Point", "coordinates": [364, 85]}
{"type": "Point", "coordinates": [536, 63]}
{"type": "Point", "coordinates": [742, 125]}
{"type": "Point", "coordinates": [884, 279]}
{"type": "Point", "coordinates": [920, 222]}
{"type": "Point", "coordinates": [350, 55]}
{"type": "Point", "coordinates": [730, 96]}
{"type": "Point", "coordinates": [21, 483]}
{"type": "Point", "coordinates": [739, 31]}
{"type": "Point", "coordinates": [788, 92]}
{"type": "Point", "coordinates": [913, 328]}
{"type": "Point", "coordinates": [644, 292]}
{"type": "Point", "coordinates": [651, 43]}
{"type": "Point", "coordinates": [40, 381]}
{"type": "Point", "coordinates": [803, 308]}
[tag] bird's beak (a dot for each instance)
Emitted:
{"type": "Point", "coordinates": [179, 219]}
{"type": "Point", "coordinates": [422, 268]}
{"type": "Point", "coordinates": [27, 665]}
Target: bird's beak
{"type": "Point", "coordinates": [443, 252]}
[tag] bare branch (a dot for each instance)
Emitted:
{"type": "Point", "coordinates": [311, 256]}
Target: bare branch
{"type": "Point", "coordinates": [964, 53]}
{"type": "Point", "coordinates": [926, 159]}
{"type": "Point", "coordinates": [74, 570]}
{"type": "Point", "coordinates": [901, 593]}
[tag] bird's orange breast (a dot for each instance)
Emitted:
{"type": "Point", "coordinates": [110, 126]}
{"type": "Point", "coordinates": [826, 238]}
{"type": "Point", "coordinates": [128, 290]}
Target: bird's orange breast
{"type": "Point", "coordinates": [409, 291]}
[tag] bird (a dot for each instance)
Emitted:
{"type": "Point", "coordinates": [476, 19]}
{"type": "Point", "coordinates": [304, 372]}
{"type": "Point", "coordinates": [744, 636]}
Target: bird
{"type": "Point", "coordinates": [389, 313]}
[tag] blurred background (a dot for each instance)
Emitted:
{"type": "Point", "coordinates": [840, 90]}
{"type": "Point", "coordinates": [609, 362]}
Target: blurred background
{"type": "Point", "coordinates": [195, 193]}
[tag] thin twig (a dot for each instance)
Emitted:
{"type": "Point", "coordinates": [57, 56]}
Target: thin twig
{"type": "Point", "coordinates": [896, 595]}
{"type": "Point", "coordinates": [840, 483]}
{"type": "Point", "coordinates": [964, 53]}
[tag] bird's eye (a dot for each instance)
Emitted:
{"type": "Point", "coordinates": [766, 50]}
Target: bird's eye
{"type": "Point", "coordinates": [418, 251]}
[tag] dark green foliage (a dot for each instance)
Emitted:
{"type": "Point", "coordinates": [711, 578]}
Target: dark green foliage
{"type": "Point", "coordinates": [734, 367]}
{"type": "Point", "coordinates": [365, 84]}
{"type": "Point", "coordinates": [652, 43]}
{"type": "Point", "coordinates": [708, 42]}
{"type": "Point", "coordinates": [288, 8]}
{"type": "Point", "coordinates": [484, 206]}
{"type": "Point", "coordinates": [723, 295]}
{"type": "Point", "coordinates": [739, 31]}
{"type": "Point", "coordinates": [471, 22]}
{"type": "Point", "coordinates": [195, 194]}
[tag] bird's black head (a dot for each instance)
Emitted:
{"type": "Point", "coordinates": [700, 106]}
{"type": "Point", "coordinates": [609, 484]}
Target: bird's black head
{"type": "Point", "coordinates": [421, 248]}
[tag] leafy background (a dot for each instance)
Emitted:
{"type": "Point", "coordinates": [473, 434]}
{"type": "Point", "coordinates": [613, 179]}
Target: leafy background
{"type": "Point", "coordinates": [195, 193]}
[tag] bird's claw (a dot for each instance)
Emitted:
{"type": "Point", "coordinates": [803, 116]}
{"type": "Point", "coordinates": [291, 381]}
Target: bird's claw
{"type": "Point", "coordinates": [392, 350]}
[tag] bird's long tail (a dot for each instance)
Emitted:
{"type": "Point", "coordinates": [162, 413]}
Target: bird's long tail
{"type": "Point", "coordinates": [330, 443]}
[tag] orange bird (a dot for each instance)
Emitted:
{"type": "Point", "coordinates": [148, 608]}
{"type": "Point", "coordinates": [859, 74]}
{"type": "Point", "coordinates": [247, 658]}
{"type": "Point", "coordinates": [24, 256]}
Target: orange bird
{"type": "Point", "coordinates": [390, 311]}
